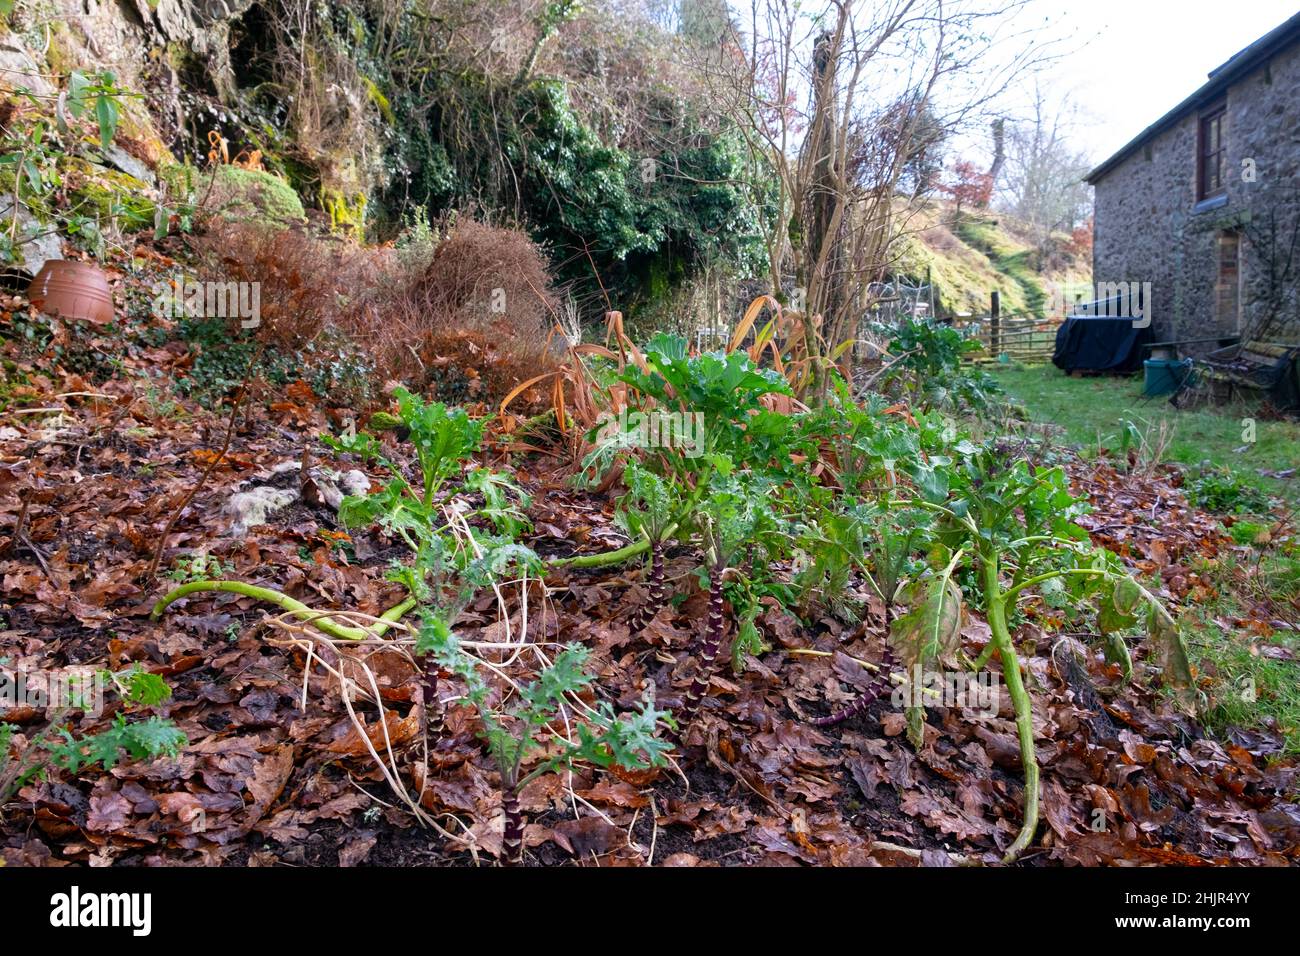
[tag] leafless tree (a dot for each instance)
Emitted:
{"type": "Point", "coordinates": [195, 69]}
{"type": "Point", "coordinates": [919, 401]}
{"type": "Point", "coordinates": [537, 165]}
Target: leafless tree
{"type": "Point", "coordinates": [1042, 183]}
{"type": "Point", "coordinates": [838, 104]}
{"type": "Point", "coordinates": [1273, 278]}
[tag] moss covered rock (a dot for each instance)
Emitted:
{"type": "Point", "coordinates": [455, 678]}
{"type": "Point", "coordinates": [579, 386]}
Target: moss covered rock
{"type": "Point", "coordinates": [107, 194]}
{"type": "Point", "coordinates": [137, 133]}
{"type": "Point", "coordinates": [347, 215]}
{"type": "Point", "coordinates": [236, 193]}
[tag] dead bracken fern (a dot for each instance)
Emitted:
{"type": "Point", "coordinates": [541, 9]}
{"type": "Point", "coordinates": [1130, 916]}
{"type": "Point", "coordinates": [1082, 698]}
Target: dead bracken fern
{"type": "Point", "coordinates": [468, 325]}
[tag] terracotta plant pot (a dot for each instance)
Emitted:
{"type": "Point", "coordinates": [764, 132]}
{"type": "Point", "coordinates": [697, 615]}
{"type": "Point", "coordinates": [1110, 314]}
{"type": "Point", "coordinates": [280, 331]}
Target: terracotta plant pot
{"type": "Point", "coordinates": [72, 290]}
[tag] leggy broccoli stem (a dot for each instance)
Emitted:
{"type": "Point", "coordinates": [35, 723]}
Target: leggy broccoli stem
{"type": "Point", "coordinates": [318, 619]}
{"type": "Point", "coordinates": [630, 551]}
{"type": "Point", "coordinates": [512, 837]}
{"type": "Point", "coordinates": [1010, 594]}
{"type": "Point", "coordinates": [985, 655]}
{"type": "Point", "coordinates": [995, 604]}
{"type": "Point", "coordinates": [604, 559]}
{"type": "Point", "coordinates": [658, 593]}
{"type": "Point", "coordinates": [878, 686]}
{"type": "Point", "coordinates": [713, 631]}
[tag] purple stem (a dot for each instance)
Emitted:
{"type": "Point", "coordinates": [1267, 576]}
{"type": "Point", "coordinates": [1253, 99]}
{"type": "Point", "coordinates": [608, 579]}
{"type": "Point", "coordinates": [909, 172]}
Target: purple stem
{"type": "Point", "coordinates": [658, 594]}
{"type": "Point", "coordinates": [880, 684]}
{"type": "Point", "coordinates": [713, 632]}
{"type": "Point", "coordinates": [512, 839]}
{"type": "Point", "coordinates": [429, 690]}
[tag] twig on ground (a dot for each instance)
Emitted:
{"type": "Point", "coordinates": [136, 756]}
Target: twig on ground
{"type": "Point", "coordinates": [152, 571]}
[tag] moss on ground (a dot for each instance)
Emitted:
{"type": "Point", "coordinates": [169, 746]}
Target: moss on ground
{"type": "Point", "coordinates": [967, 256]}
{"type": "Point", "coordinates": [1009, 258]}
{"type": "Point", "coordinates": [135, 124]}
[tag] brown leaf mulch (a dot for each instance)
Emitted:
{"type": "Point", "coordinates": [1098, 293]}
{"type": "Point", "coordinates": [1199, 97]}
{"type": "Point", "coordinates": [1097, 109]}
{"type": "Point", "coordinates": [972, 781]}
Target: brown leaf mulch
{"type": "Point", "coordinates": [275, 772]}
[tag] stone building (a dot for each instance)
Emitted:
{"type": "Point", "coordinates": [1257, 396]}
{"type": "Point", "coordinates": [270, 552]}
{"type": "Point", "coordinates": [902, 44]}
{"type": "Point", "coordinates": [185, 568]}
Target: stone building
{"type": "Point", "coordinates": [1205, 204]}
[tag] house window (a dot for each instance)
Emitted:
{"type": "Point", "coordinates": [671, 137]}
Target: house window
{"type": "Point", "coordinates": [1212, 154]}
{"type": "Point", "coordinates": [1227, 287]}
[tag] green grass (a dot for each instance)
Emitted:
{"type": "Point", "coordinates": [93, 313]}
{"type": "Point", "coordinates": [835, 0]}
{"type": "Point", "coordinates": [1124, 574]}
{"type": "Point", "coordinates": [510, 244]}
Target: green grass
{"type": "Point", "coordinates": [1010, 260]}
{"type": "Point", "coordinates": [1248, 685]}
{"type": "Point", "coordinates": [1091, 411]}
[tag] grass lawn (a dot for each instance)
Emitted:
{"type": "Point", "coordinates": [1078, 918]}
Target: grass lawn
{"type": "Point", "coordinates": [1091, 411]}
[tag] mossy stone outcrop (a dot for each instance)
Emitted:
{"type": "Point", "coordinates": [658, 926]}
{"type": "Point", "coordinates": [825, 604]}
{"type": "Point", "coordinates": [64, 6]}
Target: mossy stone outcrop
{"type": "Point", "coordinates": [107, 194]}
{"type": "Point", "coordinates": [236, 193]}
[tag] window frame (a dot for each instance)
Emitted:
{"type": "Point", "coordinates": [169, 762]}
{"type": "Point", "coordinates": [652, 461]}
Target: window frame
{"type": "Point", "coordinates": [1215, 114]}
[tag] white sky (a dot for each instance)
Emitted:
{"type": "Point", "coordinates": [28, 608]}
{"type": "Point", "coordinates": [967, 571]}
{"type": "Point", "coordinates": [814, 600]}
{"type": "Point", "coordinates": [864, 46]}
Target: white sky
{"type": "Point", "coordinates": [1140, 58]}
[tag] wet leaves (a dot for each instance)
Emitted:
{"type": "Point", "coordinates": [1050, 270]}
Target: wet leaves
{"type": "Point", "coordinates": [277, 772]}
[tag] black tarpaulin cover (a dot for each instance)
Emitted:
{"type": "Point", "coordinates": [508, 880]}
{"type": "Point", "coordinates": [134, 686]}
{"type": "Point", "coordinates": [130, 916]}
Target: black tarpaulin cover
{"type": "Point", "coordinates": [1100, 344]}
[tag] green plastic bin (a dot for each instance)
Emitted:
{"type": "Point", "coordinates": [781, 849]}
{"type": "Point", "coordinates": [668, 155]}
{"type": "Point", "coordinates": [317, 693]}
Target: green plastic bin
{"type": "Point", "coordinates": [1163, 376]}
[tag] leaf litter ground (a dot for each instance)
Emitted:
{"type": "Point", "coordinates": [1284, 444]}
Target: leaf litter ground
{"type": "Point", "coordinates": [1127, 779]}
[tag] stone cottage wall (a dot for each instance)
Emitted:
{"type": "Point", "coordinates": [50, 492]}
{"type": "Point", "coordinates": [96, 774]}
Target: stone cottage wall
{"type": "Point", "coordinates": [1149, 230]}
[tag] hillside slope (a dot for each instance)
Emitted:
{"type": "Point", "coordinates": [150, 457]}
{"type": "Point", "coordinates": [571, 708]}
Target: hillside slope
{"type": "Point", "coordinates": [967, 255]}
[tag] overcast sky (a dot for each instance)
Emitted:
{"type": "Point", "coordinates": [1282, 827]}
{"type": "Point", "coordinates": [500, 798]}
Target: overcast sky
{"type": "Point", "coordinates": [1139, 58]}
